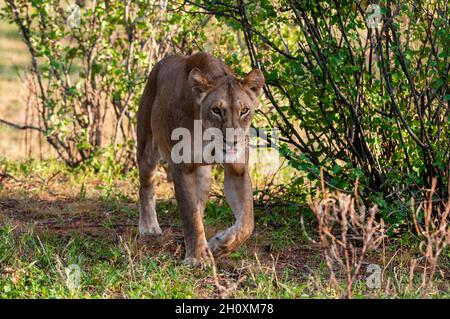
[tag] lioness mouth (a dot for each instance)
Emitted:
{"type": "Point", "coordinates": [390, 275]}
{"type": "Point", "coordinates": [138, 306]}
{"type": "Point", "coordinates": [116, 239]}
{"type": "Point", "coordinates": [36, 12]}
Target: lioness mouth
{"type": "Point", "coordinates": [233, 150]}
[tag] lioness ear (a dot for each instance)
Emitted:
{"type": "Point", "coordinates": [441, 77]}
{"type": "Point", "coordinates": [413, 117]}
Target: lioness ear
{"type": "Point", "coordinates": [198, 81]}
{"type": "Point", "coordinates": [255, 81]}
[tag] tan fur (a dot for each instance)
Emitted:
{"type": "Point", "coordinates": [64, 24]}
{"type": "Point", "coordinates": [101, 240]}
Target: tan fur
{"type": "Point", "coordinates": [180, 90]}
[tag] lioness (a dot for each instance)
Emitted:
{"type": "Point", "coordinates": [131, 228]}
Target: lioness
{"type": "Point", "coordinates": [180, 90]}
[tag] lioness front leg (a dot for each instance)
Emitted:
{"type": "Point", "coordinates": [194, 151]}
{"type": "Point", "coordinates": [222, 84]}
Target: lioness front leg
{"type": "Point", "coordinates": [203, 185]}
{"type": "Point", "coordinates": [238, 191]}
{"type": "Point", "coordinates": [186, 193]}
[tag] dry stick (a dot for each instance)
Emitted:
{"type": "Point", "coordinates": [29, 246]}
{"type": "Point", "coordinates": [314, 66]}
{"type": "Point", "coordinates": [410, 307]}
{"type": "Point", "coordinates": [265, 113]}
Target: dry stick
{"type": "Point", "coordinates": [21, 127]}
{"type": "Point", "coordinates": [305, 233]}
{"type": "Point", "coordinates": [436, 237]}
{"type": "Point", "coordinates": [6, 175]}
{"type": "Point", "coordinates": [224, 291]}
{"type": "Point", "coordinates": [411, 274]}
{"type": "Point", "coordinates": [26, 136]}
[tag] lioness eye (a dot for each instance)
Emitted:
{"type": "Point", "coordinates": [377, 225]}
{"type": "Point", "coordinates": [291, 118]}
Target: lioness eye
{"type": "Point", "coordinates": [245, 111]}
{"type": "Point", "coordinates": [217, 111]}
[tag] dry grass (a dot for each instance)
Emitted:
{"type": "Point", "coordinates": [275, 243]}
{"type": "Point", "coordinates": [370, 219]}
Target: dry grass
{"type": "Point", "coordinates": [434, 229]}
{"type": "Point", "coordinates": [347, 232]}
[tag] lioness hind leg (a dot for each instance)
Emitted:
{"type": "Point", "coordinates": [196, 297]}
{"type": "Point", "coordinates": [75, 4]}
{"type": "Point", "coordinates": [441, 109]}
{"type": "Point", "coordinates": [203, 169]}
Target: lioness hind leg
{"type": "Point", "coordinates": [148, 162]}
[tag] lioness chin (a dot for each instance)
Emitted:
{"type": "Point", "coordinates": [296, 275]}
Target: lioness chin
{"type": "Point", "coordinates": [181, 91]}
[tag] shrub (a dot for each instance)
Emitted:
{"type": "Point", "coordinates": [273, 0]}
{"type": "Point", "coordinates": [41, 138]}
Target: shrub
{"type": "Point", "coordinates": [89, 63]}
{"type": "Point", "coordinates": [353, 97]}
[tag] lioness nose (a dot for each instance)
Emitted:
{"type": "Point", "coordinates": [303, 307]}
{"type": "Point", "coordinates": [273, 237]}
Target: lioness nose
{"type": "Point", "coordinates": [230, 143]}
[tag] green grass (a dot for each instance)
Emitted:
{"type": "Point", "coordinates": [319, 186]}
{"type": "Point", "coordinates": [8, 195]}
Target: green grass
{"type": "Point", "coordinates": [114, 262]}
{"type": "Point", "coordinates": [108, 268]}
{"type": "Point", "coordinates": [33, 266]}
{"type": "Point", "coordinates": [52, 217]}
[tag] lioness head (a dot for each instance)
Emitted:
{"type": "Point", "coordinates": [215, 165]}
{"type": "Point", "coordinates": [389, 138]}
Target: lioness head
{"type": "Point", "coordinates": [227, 104]}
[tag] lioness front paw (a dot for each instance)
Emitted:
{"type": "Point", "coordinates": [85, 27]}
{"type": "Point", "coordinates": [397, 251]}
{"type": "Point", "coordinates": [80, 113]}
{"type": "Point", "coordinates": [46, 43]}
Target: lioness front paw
{"type": "Point", "coordinates": [222, 244]}
{"type": "Point", "coordinates": [153, 230]}
{"type": "Point", "coordinates": [198, 258]}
